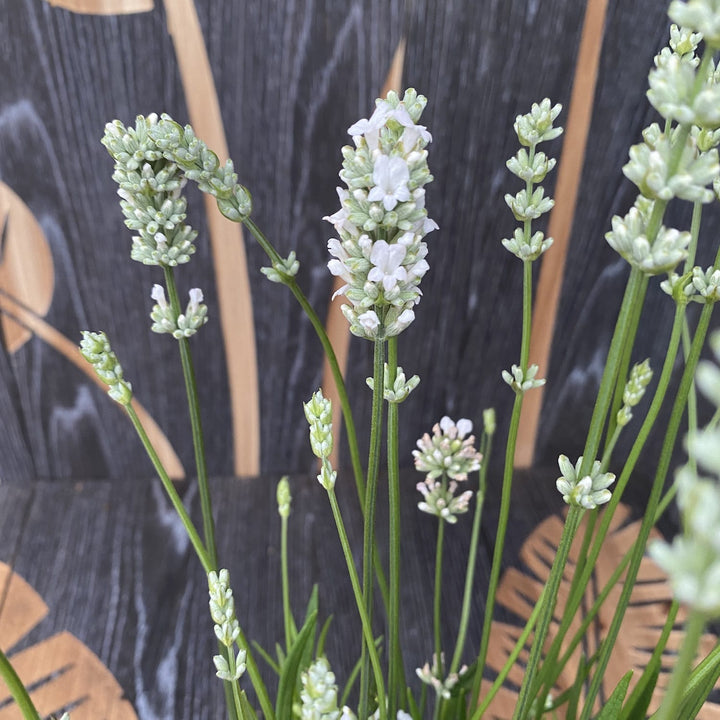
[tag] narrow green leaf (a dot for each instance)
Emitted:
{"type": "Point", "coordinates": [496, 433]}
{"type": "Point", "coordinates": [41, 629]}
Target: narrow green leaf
{"type": "Point", "coordinates": [321, 640]}
{"type": "Point", "coordinates": [701, 683]}
{"type": "Point", "coordinates": [611, 709]}
{"type": "Point", "coordinates": [575, 690]}
{"type": "Point", "coordinates": [266, 656]}
{"type": "Point", "coordinates": [291, 668]}
{"type": "Point", "coordinates": [246, 708]}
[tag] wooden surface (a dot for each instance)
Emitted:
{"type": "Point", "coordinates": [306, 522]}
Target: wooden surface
{"type": "Point", "coordinates": [114, 568]}
{"type": "Point", "coordinates": [290, 77]}
{"type": "Point", "coordinates": [110, 566]}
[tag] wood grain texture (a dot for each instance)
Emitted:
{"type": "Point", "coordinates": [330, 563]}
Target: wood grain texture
{"type": "Point", "coordinates": [113, 565]}
{"type": "Point", "coordinates": [291, 77]}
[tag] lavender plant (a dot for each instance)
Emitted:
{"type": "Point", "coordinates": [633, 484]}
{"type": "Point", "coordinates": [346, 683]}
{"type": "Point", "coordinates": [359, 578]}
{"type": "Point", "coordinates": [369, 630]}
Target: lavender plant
{"type": "Point", "coordinates": [379, 251]}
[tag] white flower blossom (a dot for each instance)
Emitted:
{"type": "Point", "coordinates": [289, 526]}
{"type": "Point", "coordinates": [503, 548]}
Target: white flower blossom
{"type": "Point", "coordinates": [379, 252]}
{"type": "Point", "coordinates": [587, 491]}
{"type": "Point", "coordinates": [391, 176]}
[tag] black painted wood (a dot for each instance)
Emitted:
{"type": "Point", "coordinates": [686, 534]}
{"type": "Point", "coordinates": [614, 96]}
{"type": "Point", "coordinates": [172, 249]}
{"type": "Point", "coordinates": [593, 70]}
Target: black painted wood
{"type": "Point", "coordinates": [291, 77]}
{"type": "Point", "coordinates": [112, 562]}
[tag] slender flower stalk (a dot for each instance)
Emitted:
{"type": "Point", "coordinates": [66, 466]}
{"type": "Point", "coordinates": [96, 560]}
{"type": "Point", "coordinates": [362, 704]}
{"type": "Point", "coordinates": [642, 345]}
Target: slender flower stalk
{"type": "Point", "coordinates": [396, 680]}
{"type": "Point", "coordinates": [369, 514]}
{"type": "Point", "coordinates": [485, 448]}
{"type": "Point", "coordinates": [532, 167]}
{"type": "Point", "coordinates": [196, 425]}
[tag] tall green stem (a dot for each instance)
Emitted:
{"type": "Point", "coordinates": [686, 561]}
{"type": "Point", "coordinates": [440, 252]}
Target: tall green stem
{"type": "Point", "coordinates": [525, 700]}
{"type": "Point", "coordinates": [172, 493]}
{"type": "Point", "coordinates": [485, 448]}
{"type": "Point", "coordinates": [437, 599]}
{"type": "Point", "coordinates": [369, 514]}
{"type": "Point", "coordinates": [196, 424]}
{"type": "Point", "coordinates": [512, 658]}
{"type": "Point", "coordinates": [660, 475]}
{"type": "Point", "coordinates": [396, 680]}
{"type": "Point", "coordinates": [683, 667]}
{"type": "Point", "coordinates": [507, 484]}
{"type": "Point", "coordinates": [208, 565]}
{"type": "Point", "coordinates": [369, 642]}
{"type": "Point", "coordinates": [289, 623]}
{"type": "Point", "coordinates": [17, 689]}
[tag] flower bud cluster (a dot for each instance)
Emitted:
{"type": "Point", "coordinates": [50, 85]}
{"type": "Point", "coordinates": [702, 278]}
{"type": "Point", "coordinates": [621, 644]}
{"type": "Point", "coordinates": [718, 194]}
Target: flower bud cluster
{"type": "Point", "coordinates": [282, 270]}
{"type": "Point", "coordinates": [698, 285]}
{"type": "Point", "coordinates": [318, 412]}
{"type": "Point", "coordinates": [180, 145]}
{"type": "Point", "coordinates": [430, 676]}
{"type": "Point", "coordinates": [588, 491]}
{"type": "Point", "coordinates": [150, 189]}
{"type": "Point", "coordinates": [283, 497]}
{"type": "Point", "coordinates": [448, 454]}
{"type": "Point", "coordinates": [651, 168]}
{"type": "Point", "coordinates": [672, 92]}
{"type": "Point", "coordinates": [227, 629]}
{"type": "Point", "coordinates": [692, 560]}
{"type": "Point", "coordinates": [398, 390]}
{"type": "Point", "coordinates": [182, 325]}
{"type": "Point", "coordinates": [379, 252]}
{"type": "Point", "coordinates": [95, 348]}
{"type": "Point", "coordinates": [318, 696]}
{"type": "Point", "coordinates": [521, 381]}
{"type": "Point", "coordinates": [701, 16]}
{"type": "Point", "coordinates": [639, 379]}
{"type": "Point", "coordinates": [531, 167]}
{"type": "Point", "coordinates": [450, 451]}
{"type": "Point", "coordinates": [629, 239]}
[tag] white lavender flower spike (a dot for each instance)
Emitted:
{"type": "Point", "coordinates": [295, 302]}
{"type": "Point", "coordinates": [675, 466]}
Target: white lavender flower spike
{"type": "Point", "coordinates": [379, 252]}
{"type": "Point", "coordinates": [450, 451]}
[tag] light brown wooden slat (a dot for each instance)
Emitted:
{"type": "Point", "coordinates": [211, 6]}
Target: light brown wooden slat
{"type": "Point", "coordinates": [226, 239]}
{"type": "Point", "coordinates": [547, 296]}
{"type": "Point", "coordinates": [104, 7]}
{"type": "Point", "coordinates": [26, 265]}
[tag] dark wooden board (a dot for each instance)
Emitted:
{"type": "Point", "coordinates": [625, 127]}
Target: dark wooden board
{"type": "Point", "coordinates": [112, 563]}
{"type": "Point", "coordinates": [291, 78]}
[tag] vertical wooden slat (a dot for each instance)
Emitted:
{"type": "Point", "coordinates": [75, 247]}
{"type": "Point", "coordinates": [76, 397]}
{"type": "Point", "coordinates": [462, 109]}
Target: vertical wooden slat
{"type": "Point", "coordinates": [561, 219]}
{"type": "Point", "coordinates": [226, 239]}
{"type": "Point", "coordinates": [336, 325]}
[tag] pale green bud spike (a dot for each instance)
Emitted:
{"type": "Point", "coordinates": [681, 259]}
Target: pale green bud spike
{"type": "Point", "coordinates": [318, 412]}
{"type": "Point", "coordinates": [521, 381]}
{"type": "Point", "coordinates": [586, 492]}
{"type": "Point", "coordinates": [529, 207]}
{"type": "Point", "coordinates": [707, 284]}
{"type": "Point", "coordinates": [397, 391]}
{"type": "Point", "coordinates": [222, 607]}
{"type": "Point", "coordinates": [702, 16]}
{"type": "Point", "coordinates": [283, 496]}
{"type": "Point", "coordinates": [318, 696]}
{"type": "Point", "coordinates": [489, 423]}
{"type": "Point", "coordinates": [523, 250]}
{"type": "Point", "coordinates": [536, 126]}
{"type": "Point", "coordinates": [283, 270]}
{"type": "Point", "coordinates": [95, 348]}
{"type": "Point", "coordinates": [530, 171]}
{"type": "Point", "coordinates": [640, 377]}
{"type": "Point", "coordinates": [649, 169]}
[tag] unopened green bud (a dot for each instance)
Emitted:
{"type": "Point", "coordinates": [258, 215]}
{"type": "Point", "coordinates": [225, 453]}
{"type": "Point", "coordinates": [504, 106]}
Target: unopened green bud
{"type": "Point", "coordinates": [283, 497]}
{"type": "Point", "coordinates": [489, 423]}
{"type": "Point", "coordinates": [95, 348]}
